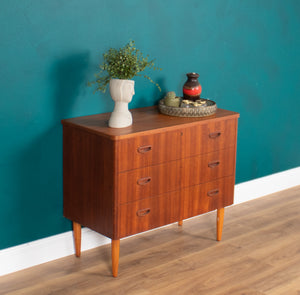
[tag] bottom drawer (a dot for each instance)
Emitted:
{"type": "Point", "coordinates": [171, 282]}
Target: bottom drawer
{"type": "Point", "coordinates": [208, 196]}
{"type": "Point", "coordinates": [146, 214]}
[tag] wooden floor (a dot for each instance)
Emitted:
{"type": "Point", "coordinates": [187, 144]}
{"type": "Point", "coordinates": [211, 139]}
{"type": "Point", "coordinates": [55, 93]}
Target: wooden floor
{"type": "Point", "coordinates": [259, 254]}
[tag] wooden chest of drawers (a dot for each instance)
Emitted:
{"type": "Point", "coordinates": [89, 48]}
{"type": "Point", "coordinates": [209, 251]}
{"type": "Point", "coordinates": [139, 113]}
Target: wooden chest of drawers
{"type": "Point", "coordinates": [160, 170]}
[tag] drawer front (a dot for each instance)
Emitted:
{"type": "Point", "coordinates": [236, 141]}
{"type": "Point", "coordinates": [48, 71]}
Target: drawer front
{"type": "Point", "coordinates": [208, 167]}
{"type": "Point", "coordinates": [148, 150]}
{"type": "Point", "coordinates": [150, 213]}
{"type": "Point", "coordinates": [207, 196]}
{"type": "Point", "coordinates": [148, 181]}
{"type": "Point", "coordinates": [205, 138]}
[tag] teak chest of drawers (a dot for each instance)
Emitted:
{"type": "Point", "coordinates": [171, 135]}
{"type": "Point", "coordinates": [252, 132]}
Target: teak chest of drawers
{"type": "Point", "coordinates": [160, 170]}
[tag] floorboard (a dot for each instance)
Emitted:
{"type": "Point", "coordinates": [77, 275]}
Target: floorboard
{"type": "Point", "coordinates": [259, 255]}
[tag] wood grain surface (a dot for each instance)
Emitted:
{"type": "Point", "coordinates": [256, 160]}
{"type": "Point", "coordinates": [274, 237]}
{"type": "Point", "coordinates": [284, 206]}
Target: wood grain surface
{"type": "Point", "coordinates": [149, 213]}
{"type": "Point", "coordinates": [259, 255]}
{"type": "Point", "coordinates": [149, 149]}
{"type": "Point", "coordinates": [88, 172]}
{"type": "Point", "coordinates": [146, 119]}
{"type": "Point", "coordinates": [206, 197]}
{"type": "Point", "coordinates": [106, 168]}
{"type": "Point", "coordinates": [162, 169]}
{"type": "Point", "coordinates": [208, 167]}
{"type": "Point", "coordinates": [212, 136]}
{"type": "Point", "coordinates": [149, 181]}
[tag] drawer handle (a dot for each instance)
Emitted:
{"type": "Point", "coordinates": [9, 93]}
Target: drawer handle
{"type": "Point", "coordinates": [213, 164]}
{"type": "Point", "coordinates": [213, 192]}
{"type": "Point", "coordinates": [214, 135]}
{"type": "Point", "coordinates": [144, 180]}
{"type": "Point", "coordinates": [144, 149]}
{"type": "Point", "coordinates": [142, 212]}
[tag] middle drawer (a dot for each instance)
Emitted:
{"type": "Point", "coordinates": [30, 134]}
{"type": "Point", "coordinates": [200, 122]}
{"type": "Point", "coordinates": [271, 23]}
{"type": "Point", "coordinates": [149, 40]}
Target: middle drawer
{"type": "Point", "coordinates": [158, 179]}
{"type": "Point", "coordinates": [149, 181]}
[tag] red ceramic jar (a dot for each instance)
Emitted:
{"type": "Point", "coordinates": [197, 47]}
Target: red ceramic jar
{"type": "Point", "coordinates": [192, 88]}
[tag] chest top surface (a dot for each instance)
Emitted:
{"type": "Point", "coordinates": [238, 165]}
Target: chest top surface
{"type": "Point", "coordinates": [145, 120]}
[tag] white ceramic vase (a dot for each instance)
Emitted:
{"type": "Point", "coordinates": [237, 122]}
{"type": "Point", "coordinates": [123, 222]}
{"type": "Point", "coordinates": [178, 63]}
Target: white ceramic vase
{"type": "Point", "coordinates": [121, 92]}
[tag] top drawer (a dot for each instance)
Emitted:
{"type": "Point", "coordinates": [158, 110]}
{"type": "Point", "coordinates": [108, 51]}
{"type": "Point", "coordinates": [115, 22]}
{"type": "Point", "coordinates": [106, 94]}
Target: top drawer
{"type": "Point", "coordinates": [146, 150]}
{"type": "Point", "coordinates": [187, 141]}
{"type": "Point", "coordinates": [210, 137]}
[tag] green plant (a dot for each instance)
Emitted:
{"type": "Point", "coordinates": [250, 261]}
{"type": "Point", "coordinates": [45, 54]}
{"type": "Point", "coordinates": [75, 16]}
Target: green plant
{"type": "Point", "coordinates": [124, 63]}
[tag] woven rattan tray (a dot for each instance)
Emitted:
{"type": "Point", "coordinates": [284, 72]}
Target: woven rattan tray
{"type": "Point", "coordinates": [208, 109]}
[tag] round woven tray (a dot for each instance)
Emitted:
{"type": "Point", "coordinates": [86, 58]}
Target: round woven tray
{"type": "Point", "coordinates": [202, 111]}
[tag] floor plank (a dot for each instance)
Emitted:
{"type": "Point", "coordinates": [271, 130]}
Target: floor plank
{"type": "Point", "coordinates": [259, 255]}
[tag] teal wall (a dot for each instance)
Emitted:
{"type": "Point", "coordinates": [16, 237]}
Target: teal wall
{"type": "Point", "coordinates": [246, 52]}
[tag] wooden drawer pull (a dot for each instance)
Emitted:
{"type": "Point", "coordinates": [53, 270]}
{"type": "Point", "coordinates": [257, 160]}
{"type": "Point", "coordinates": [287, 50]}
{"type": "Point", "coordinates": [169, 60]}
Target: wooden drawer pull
{"type": "Point", "coordinates": [144, 180]}
{"type": "Point", "coordinates": [144, 149]}
{"type": "Point", "coordinates": [214, 135]}
{"type": "Point", "coordinates": [142, 212]}
{"type": "Point", "coordinates": [213, 192]}
{"type": "Point", "coordinates": [213, 164]}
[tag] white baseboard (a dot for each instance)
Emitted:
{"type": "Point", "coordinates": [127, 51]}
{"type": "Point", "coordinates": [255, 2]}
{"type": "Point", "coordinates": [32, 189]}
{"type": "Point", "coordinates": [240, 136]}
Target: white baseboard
{"type": "Point", "coordinates": [37, 252]}
{"type": "Point", "coordinates": [266, 185]}
{"type": "Point", "coordinates": [45, 250]}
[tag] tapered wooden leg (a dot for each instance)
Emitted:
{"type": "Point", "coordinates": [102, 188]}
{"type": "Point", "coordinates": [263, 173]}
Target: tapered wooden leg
{"type": "Point", "coordinates": [220, 221]}
{"type": "Point", "coordinates": [180, 222]}
{"type": "Point", "coordinates": [77, 238]}
{"type": "Point", "coordinates": [115, 252]}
